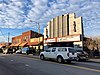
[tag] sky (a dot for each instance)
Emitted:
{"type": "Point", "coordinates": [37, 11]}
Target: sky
{"type": "Point", "coordinates": [17, 16]}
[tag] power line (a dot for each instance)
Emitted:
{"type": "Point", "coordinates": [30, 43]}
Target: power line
{"type": "Point", "coordinates": [2, 33]}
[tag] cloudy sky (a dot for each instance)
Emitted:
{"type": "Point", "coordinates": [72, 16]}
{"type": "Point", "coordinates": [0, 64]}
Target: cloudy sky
{"type": "Point", "coordinates": [15, 15]}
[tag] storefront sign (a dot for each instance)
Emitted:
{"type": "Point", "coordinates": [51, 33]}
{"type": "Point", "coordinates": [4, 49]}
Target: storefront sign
{"type": "Point", "coordinates": [51, 40]}
{"type": "Point", "coordinates": [62, 39]}
{"type": "Point", "coordinates": [69, 38]}
{"type": "Point", "coordinates": [34, 40]}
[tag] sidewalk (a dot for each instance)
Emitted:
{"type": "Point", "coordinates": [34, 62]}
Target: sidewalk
{"type": "Point", "coordinates": [94, 60]}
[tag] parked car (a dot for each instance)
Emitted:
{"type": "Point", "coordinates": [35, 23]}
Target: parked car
{"type": "Point", "coordinates": [27, 50]}
{"type": "Point", "coordinates": [5, 51]}
{"type": "Point", "coordinates": [82, 55]}
{"type": "Point", "coordinates": [8, 51]}
{"type": "Point", "coordinates": [19, 51]}
{"type": "Point", "coordinates": [60, 54]}
{"type": "Point", "coordinates": [24, 50]}
{"type": "Point", "coordinates": [1, 51]}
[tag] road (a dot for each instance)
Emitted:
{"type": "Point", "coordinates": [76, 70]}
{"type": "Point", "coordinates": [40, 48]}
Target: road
{"type": "Point", "coordinates": [19, 65]}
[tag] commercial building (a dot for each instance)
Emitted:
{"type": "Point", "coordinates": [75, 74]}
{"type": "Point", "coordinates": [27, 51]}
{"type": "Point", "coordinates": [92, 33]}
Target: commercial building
{"type": "Point", "coordinates": [36, 43]}
{"type": "Point", "coordinates": [64, 30]}
{"type": "Point", "coordinates": [24, 40]}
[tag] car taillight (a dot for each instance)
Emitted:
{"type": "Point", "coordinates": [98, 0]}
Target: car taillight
{"type": "Point", "coordinates": [68, 54]}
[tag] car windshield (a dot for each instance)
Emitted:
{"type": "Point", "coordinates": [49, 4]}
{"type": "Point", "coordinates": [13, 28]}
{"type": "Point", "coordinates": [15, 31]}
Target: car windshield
{"type": "Point", "coordinates": [25, 49]}
{"type": "Point", "coordinates": [47, 50]}
{"type": "Point", "coordinates": [80, 51]}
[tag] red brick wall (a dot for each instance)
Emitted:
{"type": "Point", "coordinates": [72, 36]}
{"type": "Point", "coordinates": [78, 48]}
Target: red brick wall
{"type": "Point", "coordinates": [25, 37]}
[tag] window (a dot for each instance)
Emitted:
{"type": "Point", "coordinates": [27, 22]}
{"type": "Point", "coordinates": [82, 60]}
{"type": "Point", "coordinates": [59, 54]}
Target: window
{"type": "Point", "coordinates": [62, 49]}
{"type": "Point", "coordinates": [46, 32]}
{"type": "Point", "coordinates": [47, 50]}
{"type": "Point", "coordinates": [54, 49]}
{"type": "Point", "coordinates": [74, 26]}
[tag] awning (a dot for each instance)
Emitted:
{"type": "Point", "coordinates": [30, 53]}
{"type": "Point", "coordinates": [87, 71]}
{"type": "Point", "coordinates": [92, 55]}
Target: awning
{"type": "Point", "coordinates": [17, 44]}
{"type": "Point", "coordinates": [12, 44]}
{"type": "Point", "coordinates": [34, 43]}
{"type": "Point", "coordinates": [23, 44]}
{"type": "Point", "coordinates": [2, 45]}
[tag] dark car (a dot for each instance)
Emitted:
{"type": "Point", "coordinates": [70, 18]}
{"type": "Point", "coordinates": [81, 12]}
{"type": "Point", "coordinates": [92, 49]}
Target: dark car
{"type": "Point", "coordinates": [82, 55]}
{"type": "Point", "coordinates": [1, 51]}
{"type": "Point", "coordinates": [10, 51]}
{"type": "Point", "coordinates": [28, 50]}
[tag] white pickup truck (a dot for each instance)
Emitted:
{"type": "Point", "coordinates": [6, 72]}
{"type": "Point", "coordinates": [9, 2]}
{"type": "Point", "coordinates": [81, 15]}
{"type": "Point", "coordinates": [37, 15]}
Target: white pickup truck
{"type": "Point", "coordinates": [61, 54]}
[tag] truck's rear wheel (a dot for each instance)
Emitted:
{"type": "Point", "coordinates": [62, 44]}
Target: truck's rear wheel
{"type": "Point", "coordinates": [60, 59]}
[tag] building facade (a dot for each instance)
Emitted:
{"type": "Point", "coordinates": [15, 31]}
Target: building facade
{"type": "Point", "coordinates": [16, 40]}
{"type": "Point", "coordinates": [25, 39]}
{"type": "Point", "coordinates": [64, 30]}
{"type": "Point", "coordinates": [37, 43]}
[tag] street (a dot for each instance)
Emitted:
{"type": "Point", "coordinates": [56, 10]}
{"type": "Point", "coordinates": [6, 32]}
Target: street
{"type": "Point", "coordinates": [19, 65]}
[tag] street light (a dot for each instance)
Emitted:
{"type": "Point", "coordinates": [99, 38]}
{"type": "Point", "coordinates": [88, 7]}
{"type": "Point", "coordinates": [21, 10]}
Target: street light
{"type": "Point", "coordinates": [37, 24]}
{"type": "Point", "coordinates": [38, 32]}
{"type": "Point", "coordinates": [8, 38]}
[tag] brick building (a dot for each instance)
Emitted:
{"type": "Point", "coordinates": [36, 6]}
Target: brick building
{"type": "Point", "coordinates": [24, 39]}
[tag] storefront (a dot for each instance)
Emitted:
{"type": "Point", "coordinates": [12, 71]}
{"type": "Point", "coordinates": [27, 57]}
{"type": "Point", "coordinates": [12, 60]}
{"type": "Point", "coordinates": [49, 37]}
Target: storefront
{"type": "Point", "coordinates": [36, 43]}
{"type": "Point", "coordinates": [24, 40]}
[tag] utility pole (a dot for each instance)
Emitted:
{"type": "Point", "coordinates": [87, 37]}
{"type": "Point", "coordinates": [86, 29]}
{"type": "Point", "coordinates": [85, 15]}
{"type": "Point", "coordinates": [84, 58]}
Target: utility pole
{"type": "Point", "coordinates": [39, 36]}
{"type": "Point", "coordinates": [38, 28]}
{"type": "Point", "coordinates": [8, 38]}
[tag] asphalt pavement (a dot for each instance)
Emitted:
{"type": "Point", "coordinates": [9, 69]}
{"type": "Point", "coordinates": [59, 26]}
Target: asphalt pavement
{"type": "Point", "coordinates": [91, 63]}
{"type": "Point", "coordinates": [37, 57]}
{"type": "Point", "coordinates": [22, 65]}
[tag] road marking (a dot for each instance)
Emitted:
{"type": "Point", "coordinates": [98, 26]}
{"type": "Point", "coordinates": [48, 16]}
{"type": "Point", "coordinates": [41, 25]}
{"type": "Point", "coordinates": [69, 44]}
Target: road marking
{"type": "Point", "coordinates": [11, 60]}
{"type": "Point", "coordinates": [27, 65]}
{"type": "Point", "coordinates": [85, 68]}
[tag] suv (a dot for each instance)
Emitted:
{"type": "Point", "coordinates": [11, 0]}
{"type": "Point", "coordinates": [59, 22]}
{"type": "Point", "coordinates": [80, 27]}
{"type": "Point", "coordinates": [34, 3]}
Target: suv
{"type": "Point", "coordinates": [82, 55]}
{"type": "Point", "coordinates": [61, 54]}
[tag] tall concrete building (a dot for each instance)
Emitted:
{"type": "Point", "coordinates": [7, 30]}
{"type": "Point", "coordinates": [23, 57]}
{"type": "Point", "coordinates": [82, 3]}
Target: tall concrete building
{"type": "Point", "coordinates": [64, 30]}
